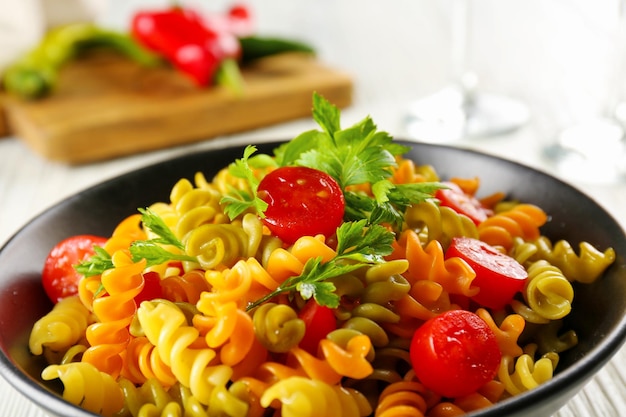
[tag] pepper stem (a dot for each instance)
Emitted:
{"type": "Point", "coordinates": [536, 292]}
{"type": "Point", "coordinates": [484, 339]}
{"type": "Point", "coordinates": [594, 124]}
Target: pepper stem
{"type": "Point", "coordinates": [229, 75]}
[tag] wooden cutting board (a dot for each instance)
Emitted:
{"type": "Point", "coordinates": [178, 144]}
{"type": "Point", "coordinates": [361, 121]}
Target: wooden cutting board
{"type": "Point", "coordinates": [105, 106]}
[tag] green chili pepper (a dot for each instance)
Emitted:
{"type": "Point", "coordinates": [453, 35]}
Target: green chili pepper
{"type": "Point", "coordinates": [35, 73]}
{"type": "Point", "coordinates": [255, 47]}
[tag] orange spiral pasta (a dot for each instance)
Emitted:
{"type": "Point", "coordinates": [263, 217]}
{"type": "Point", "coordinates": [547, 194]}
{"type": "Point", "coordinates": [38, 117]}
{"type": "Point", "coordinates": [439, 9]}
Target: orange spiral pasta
{"type": "Point", "coordinates": [523, 220]}
{"type": "Point", "coordinates": [402, 398]}
{"type": "Point", "coordinates": [109, 336]}
{"type": "Point", "coordinates": [428, 264]}
{"type": "Point", "coordinates": [142, 362]}
{"type": "Point", "coordinates": [125, 233]}
{"type": "Point", "coordinates": [186, 287]}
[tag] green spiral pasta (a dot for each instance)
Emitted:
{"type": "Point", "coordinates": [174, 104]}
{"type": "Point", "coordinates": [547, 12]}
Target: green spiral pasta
{"type": "Point", "coordinates": [151, 394]}
{"type": "Point", "coordinates": [547, 291]}
{"type": "Point", "coordinates": [440, 223]}
{"type": "Point", "coordinates": [278, 327]}
{"type": "Point", "coordinates": [259, 245]}
{"type": "Point", "coordinates": [217, 244]}
{"type": "Point", "coordinates": [152, 400]}
{"type": "Point", "coordinates": [585, 267]}
{"type": "Point", "coordinates": [549, 338]}
{"type": "Point", "coordinates": [522, 251]}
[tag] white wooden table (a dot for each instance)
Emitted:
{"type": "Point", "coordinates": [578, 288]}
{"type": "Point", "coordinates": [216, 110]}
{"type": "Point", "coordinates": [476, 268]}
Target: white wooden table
{"type": "Point", "coordinates": [551, 54]}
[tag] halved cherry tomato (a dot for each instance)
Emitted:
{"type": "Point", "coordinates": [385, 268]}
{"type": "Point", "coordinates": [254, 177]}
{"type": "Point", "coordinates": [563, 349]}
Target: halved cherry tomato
{"type": "Point", "coordinates": [301, 202]}
{"type": "Point", "coordinates": [463, 203]}
{"type": "Point", "coordinates": [151, 288]}
{"type": "Point", "coordinates": [455, 353]}
{"type": "Point", "coordinates": [319, 321]}
{"type": "Point", "coordinates": [498, 275]}
{"type": "Point", "coordinates": [59, 278]}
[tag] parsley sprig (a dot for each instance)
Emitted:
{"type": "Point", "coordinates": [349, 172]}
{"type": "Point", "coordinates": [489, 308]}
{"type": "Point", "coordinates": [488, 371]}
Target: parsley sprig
{"type": "Point", "coordinates": [154, 250]}
{"type": "Point", "coordinates": [359, 154]}
{"type": "Point", "coordinates": [358, 245]}
{"type": "Point", "coordinates": [99, 262]}
{"type": "Point", "coordinates": [241, 200]}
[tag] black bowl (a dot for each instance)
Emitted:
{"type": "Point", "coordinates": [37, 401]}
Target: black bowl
{"type": "Point", "coordinates": [599, 311]}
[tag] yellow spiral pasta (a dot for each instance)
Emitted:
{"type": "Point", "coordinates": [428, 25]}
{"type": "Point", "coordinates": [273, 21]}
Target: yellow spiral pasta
{"type": "Point", "coordinates": [302, 397]}
{"type": "Point", "coordinates": [524, 373]}
{"type": "Point", "coordinates": [194, 207]}
{"type": "Point", "coordinates": [88, 387]}
{"type": "Point", "coordinates": [61, 328]}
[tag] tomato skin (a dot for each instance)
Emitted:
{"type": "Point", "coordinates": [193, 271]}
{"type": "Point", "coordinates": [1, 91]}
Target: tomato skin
{"type": "Point", "coordinates": [498, 276]}
{"type": "Point", "coordinates": [301, 202]}
{"type": "Point", "coordinates": [319, 321]}
{"type": "Point", "coordinates": [59, 278]}
{"type": "Point", "coordinates": [151, 288]}
{"type": "Point", "coordinates": [463, 203]}
{"type": "Point", "coordinates": [455, 353]}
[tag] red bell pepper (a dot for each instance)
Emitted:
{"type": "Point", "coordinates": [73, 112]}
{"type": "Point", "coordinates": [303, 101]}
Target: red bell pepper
{"type": "Point", "coordinates": [181, 36]}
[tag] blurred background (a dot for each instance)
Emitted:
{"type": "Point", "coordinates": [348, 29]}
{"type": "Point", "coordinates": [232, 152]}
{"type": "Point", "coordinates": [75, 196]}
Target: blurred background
{"type": "Point", "coordinates": [556, 56]}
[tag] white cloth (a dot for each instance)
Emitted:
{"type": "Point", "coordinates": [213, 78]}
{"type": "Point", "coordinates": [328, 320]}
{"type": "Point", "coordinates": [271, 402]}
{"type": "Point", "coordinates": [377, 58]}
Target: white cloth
{"type": "Point", "coordinates": [24, 22]}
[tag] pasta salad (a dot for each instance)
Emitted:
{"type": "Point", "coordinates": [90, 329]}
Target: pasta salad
{"type": "Point", "coordinates": [334, 277]}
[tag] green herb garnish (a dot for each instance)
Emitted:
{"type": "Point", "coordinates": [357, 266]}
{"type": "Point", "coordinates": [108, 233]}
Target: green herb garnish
{"type": "Point", "coordinates": [153, 250]}
{"type": "Point", "coordinates": [358, 245]}
{"type": "Point", "coordinates": [360, 154]}
{"type": "Point", "coordinates": [96, 264]}
{"type": "Point", "coordinates": [240, 200]}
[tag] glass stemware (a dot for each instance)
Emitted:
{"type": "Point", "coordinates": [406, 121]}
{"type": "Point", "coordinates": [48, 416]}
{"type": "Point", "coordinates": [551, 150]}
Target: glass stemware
{"type": "Point", "coordinates": [594, 150]}
{"type": "Point", "coordinates": [461, 110]}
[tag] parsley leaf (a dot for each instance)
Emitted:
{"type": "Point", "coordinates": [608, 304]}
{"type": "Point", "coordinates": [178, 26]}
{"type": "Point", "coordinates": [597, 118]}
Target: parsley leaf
{"type": "Point", "coordinates": [358, 245]}
{"type": "Point", "coordinates": [155, 223]}
{"type": "Point", "coordinates": [153, 250]}
{"type": "Point", "coordinates": [97, 263]}
{"type": "Point", "coordinates": [154, 253]}
{"type": "Point", "coordinates": [326, 115]}
{"type": "Point", "coordinates": [238, 201]}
